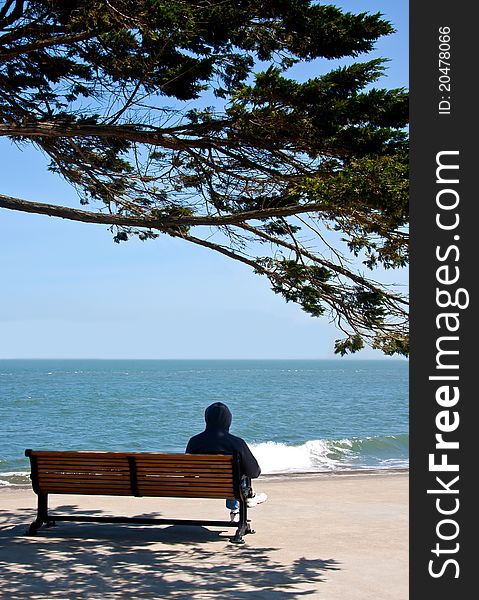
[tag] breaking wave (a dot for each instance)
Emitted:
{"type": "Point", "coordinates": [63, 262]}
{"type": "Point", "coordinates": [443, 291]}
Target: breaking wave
{"type": "Point", "coordinates": [15, 478]}
{"type": "Point", "coordinates": [381, 452]}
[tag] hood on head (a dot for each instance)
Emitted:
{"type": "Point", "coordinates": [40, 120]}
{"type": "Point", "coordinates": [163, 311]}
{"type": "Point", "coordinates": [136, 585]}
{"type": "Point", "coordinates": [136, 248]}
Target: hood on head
{"type": "Point", "coordinates": [218, 416]}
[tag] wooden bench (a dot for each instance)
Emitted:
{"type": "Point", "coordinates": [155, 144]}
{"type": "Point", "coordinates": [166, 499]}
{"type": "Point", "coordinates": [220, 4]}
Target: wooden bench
{"type": "Point", "coordinates": [136, 474]}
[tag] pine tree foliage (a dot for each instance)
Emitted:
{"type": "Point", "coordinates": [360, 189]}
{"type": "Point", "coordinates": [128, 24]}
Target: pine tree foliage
{"type": "Point", "coordinates": [184, 118]}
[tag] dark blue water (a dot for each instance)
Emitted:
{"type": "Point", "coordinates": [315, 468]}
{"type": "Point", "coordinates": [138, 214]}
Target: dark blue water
{"type": "Point", "coordinates": [296, 415]}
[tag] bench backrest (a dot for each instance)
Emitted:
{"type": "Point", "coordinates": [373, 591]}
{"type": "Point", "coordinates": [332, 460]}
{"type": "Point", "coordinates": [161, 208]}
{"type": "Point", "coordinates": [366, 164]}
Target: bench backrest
{"type": "Point", "coordinates": [134, 474]}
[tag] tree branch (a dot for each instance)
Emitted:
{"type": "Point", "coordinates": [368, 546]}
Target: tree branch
{"type": "Point", "coordinates": [73, 214]}
{"type": "Point", "coordinates": [53, 210]}
{"type": "Point", "coordinates": [156, 137]}
{"type": "Point", "coordinates": [38, 45]}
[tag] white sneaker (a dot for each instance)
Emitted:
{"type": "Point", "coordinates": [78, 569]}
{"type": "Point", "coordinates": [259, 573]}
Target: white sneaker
{"type": "Point", "coordinates": [234, 516]}
{"type": "Point", "coordinates": [256, 499]}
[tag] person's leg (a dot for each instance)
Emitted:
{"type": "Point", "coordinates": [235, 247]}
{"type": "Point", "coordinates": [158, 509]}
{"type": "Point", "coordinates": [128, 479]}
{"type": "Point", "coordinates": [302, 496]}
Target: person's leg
{"type": "Point", "coordinates": [256, 498]}
{"type": "Point", "coordinates": [252, 498]}
{"type": "Point", "coordinates": [246, 487]}
{"type": "Point", "coordinates": [232, 504]}
{"type": "Point", "coordinates": [234, 508]}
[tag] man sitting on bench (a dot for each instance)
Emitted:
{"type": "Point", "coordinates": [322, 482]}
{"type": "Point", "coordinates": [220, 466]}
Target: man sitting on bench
{"type": "Point", "coordinates": [216, 439]}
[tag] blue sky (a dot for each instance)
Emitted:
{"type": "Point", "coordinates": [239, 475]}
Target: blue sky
{"type": "Point", "coordinates": [68, 291]}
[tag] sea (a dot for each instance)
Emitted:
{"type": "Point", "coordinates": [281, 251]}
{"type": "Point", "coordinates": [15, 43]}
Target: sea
{"type": "Point", "coordinates": [297, 416]}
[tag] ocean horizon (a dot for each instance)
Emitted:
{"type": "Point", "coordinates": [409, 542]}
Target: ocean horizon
{"type": "Point", "coordinates": [297, 415]}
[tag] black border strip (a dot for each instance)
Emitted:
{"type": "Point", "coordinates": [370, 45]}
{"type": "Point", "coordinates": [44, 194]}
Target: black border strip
{"type": "Point", "coordinates": [444, 229]}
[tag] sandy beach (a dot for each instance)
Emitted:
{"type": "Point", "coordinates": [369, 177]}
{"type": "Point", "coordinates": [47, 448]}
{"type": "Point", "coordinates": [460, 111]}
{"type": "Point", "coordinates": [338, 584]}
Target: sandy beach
{"type": "Point", "coordinates": [325, 536]}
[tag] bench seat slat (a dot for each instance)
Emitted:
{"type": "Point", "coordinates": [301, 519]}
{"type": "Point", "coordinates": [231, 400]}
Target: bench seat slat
{"type": "Point", "coordinates": [67, 468]}
{"type": "Point", "coordinates": [185, 484]}
{"type": "Point", "coordinates": [83, 477]}
{"type": "Point", "coordinates": [88, 483]}
{"type": "Point", "coordinates": [45, 472]}
{"type": "Point", "coordinates": [185, 470]}
{"type": "Point", "coordinates": [144, 488]}
{"type": "Point", "coordinates": [78, 473]}
{"type": "Point", "coordinates": [84, 465]}
{"type": "Point", "coordinates": [147, 492]}
{"type": "Point", "coordinates": [183, 466]}
{"type": "Point", "coordinates": [192, 458]}
{"type": "Point", "coordinates": [167, 458]}
{"type": "Point", "coordinates": [124, 466]}
{"type": "Point", "coordinates": [191, 493]}
{"type": "Point", "coordinates": [174, 493]}
{"type": "Point", "coordinates": [81, 469]}
{"type": "Point", "coordinates": [75, 472]}
{"type": "Point", "coordinates": [67, 454]}
{"type": "Point", "coordinates": [88, 488]}
{"type": "Point", "coordinates": [186, 479]}
{"type": "Point", "coordinates": [47, 464]}
{"type": "Point", "coordinates": [109, 475]}
{"type": "Point", "coordinates": [184, 494]}
{"type": "Point", "coordinates": [83, 481]}
{"type": "Point", "coordinates": [43, 480]}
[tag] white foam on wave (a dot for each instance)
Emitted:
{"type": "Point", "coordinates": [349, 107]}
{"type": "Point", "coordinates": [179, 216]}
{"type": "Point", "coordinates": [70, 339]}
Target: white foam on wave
{"type": "Point", "coordinates": [18, 477]}
{"type": "Point", "coordinates": [317, 455]}
{"type": "Point", "coordinates": [313, 455]}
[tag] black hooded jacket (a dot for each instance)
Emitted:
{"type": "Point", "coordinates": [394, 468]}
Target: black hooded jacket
{"type": "Point", "coordinates": [216, 439]}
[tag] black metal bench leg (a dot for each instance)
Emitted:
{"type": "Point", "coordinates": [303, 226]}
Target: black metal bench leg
{"type": "Point", "coordinates": [244, 526]}
{"type": "Point", "coordinates": [242, 530]}
{"type": "Point", "coordinates": [238, 537]}
{"type": "Point", "coordinates": [42, 515]}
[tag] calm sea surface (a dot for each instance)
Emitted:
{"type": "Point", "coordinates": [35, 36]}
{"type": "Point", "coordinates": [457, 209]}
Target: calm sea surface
{"type": "Point", "coordinates": [297, 415]}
